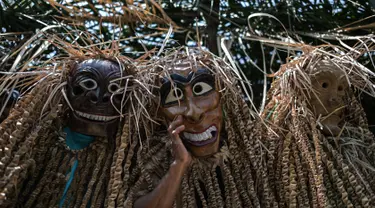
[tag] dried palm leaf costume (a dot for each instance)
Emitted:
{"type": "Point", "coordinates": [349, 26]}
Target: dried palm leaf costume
{"type": "Point", "coordinates": [323, 153]}
{"type": "Point", "coordinates": [63, 145]}
{"type": "Point", "coordinates": [233, 175]}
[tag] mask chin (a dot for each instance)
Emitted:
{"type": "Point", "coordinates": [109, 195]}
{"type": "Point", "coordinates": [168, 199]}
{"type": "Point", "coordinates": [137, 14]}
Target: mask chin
{"type": "Point", "coordinates": [92, 128]}
{"type": "Point", "coordinates": [331, 126]}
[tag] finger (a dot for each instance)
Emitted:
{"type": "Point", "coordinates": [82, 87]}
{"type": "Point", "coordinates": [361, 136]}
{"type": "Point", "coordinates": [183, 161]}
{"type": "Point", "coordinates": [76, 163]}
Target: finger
{"type": "Point", "coordinates": [179, 117]}
{"type": "Point", "coordinates": [177, 122]}
{"type": "Point", "coordinates": [178, 130]}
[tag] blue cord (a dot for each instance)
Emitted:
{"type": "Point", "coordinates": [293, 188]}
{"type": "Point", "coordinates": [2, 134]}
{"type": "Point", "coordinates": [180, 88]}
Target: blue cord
{"type": "Point", "coordinates": [75, 141]}
{"type": "Point", "coordinates": [75, 165]}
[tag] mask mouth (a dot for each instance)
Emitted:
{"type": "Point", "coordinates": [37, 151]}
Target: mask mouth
{"type": "Point", "coordinates": [208, 136]}
{"type": "Point", "coordinates": [334, 112]}
{"type": "Point", "coordinates": [94, 117]}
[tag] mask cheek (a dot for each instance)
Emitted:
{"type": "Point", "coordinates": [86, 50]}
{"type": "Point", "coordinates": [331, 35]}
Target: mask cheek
{"type": "Point", "coordinates": [76, 90]}
{"type": "Point", "coordinates": [215, 116]}
{"type": "Point", "coordinates": [119, 100]}
{"type": "Point", "coordinates": [74, 93]}
{"type": "Point", "coordinates": [170, 113]}
{"type": "Point", "coordinates": [78, 102]}
{"type": "Point", "coordinates": [208, 103]}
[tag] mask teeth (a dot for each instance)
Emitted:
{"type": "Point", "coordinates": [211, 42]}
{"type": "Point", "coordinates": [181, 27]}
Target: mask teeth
{"type": "Point", "coordinates": [95, 117]}
{"type": "Point", "coordinates": [200, 137]}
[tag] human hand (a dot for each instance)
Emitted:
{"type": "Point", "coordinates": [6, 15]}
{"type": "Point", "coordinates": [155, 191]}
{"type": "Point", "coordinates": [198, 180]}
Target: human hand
{"type": "Point", "coordinates": [180, 153]}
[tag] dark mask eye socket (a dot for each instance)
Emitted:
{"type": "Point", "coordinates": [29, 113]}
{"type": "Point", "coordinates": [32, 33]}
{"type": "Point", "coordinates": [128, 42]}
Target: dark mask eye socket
{"type": "Point", "coordinates": [115, 88]}
{"type": "Point", "coordinates": [325, 85]}
{"type": "Point", "coordinates": [77, 90]}
{"type": "Point", "coordinates": [203, 84]}
{"type": "Point", "coordinates": [175, 94]}
{"type": "Point", "coordinates": [201, 88]}
{"type": "Point", "coordinates": [88, 84]}
{"type": "Point", "coordinates": [171, 93]}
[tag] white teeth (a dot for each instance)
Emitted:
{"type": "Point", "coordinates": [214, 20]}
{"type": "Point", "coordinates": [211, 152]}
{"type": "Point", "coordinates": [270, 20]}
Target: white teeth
{"type": "Point", "coordinates": [95, 117]}
{"type": "Point", "coordinates": [200, 137]}
{"type": "Point", "coordinates": [208, 134]}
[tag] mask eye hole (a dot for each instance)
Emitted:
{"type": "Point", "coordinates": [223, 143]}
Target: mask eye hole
{"type": "Point", "coordinates": [340, 88]}
{"type": "Point", "coordinates": [325, 85]}
{"type": "Point", "coordinates": [201, 88]}
{"type": "Point", "coordinates": [77, 90]}
{"type": "Point", "coordinates": [114, 88]}
{"type": "Point", "coordinates": [88, 84]}
{"type": "Point", "coordinates": [174, 95]}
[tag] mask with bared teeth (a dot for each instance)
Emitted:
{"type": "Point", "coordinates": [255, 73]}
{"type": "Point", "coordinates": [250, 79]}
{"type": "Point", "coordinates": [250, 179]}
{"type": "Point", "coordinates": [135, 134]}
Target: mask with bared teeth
{"type": "Point", "coordinates": [192, 93]}
{"type": "Point", "coordinates": [95, 92]}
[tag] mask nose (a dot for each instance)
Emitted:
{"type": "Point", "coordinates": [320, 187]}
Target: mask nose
{"type": "Point", "coordinates": [94, 96]}
{"type": "Point", "coordinates": [106, 97]}
{"type": "Point", "coordinates": [335, 99]}
{"type": "Point", "coordinates": [193, 113]}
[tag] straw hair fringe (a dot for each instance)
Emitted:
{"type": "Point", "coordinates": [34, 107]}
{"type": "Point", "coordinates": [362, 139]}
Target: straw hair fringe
{"type": "Point", "coordinates": [324, 171]}
{"type": "Point", "coordinates": [239, 167]}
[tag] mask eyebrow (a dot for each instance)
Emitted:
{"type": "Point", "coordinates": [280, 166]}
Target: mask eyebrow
{"type": "Point", "coordinates": [182, 79]}
{"type": "Point", "coordinates": [202, 71]}
{"type": "Point", "coordinates": [86, 69]}
{"type": "Point", "coordinates": [174, 78]}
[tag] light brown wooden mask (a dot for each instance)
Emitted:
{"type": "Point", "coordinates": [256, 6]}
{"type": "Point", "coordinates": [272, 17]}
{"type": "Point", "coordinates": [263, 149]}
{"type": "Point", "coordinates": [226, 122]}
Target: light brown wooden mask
{"type": "Point", "coordinates": [330, 86]}
{"type": "Point", "coordinates": [193, 95]}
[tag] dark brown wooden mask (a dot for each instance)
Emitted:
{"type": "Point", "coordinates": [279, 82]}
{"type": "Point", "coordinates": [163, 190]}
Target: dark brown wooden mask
{"type": "Point", "coordinates": [95, 92]}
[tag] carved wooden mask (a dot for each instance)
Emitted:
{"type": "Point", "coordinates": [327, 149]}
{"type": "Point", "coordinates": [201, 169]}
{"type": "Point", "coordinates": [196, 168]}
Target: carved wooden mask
{"type": "Point", "coordinates": [193, 94]}
{"type": "Point", "coordinates": [94, 91]}
{"type": "Point", "coordinates": [330, 86]}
